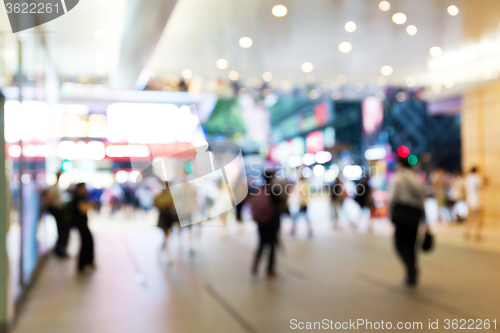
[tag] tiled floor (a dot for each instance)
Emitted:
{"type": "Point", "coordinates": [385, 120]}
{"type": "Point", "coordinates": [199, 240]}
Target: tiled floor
{"type": "Point", "coordinates": [335, 275]}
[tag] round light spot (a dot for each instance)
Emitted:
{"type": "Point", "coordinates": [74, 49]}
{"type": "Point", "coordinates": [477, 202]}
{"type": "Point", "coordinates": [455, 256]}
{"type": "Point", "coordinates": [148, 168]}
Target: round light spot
{"type": "Point", "coordinates": [411, 82]}
{"type": "Point", "coordinates": [345, 47]}
{"type": "Point", "coordinates": [386, 71]}
{"type": "Point", "coordinates": [279, 10]}
{"type": "Point", "coordinates": [187, 73]}
{"type": "Point", "coordinates": [399, 18]}
{"type": "Point", "coordinates": [319, 170]}
{"type": "Point", "coordinates": [401, 96]}
{"type": "Point", "coordinates": [233, 75]}
{"type": "Point", "coordinates": [307, 67]}
{"type": "Point", "coordinates": [448, 83]}
{"type": "Point", "coordinates": [384, 6]}
{"type": "Point", "coordinates": [221, 64]}
{"type": "Point", "coordinates": [411, 30]}
{"type": "Point", "coordinates": [453, 10]}
{"type": "Point", "coordinates": [267, 76]}
{"type": "Point", "coordinates": [435, 51]}
{"type": "Point", "coordinates": [246, 42]}
{"type": "Point", "coordinates": [350, 26]}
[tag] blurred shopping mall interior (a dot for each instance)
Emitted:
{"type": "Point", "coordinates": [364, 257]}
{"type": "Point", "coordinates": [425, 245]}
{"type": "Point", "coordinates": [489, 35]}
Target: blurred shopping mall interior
{"type": "Point", "coordinates": [141, 135]}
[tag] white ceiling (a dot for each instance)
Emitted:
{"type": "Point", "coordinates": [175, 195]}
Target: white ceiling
{"type": "Point", "coordinates": [201, 31]}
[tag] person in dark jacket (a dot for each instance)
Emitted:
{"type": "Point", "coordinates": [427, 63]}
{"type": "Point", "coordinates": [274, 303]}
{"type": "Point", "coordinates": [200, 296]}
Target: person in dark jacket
{"type": "Point", "coordinates": [268, 232]}
{"type": "Point", "coordinates": [406, 204]}
{"type": "Point", "coordinates": [79, 208]}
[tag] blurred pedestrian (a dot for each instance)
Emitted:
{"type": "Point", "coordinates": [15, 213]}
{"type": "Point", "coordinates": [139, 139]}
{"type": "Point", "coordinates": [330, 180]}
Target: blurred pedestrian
{"type": "Point", "coordinates": [364, 199]}
{"type": "Point", "coordinates": [337, 195]}
{"type": "Point", "coordinates": [406, 205]}
{"type": "Point", "coordinates": [267, 206]}
{"type": "Point", "coordinates": [79, 208]}
{"type": "Point", "coordinates": [54, 206]}
{"type": "Point", "coordinates": [167, 217]}
{"type": "Point", "coordinates": [473, 186]}
{"type": "Point", "coordinates": [304, 195]}
{"type": "Point", "coordinates": [456, 194]}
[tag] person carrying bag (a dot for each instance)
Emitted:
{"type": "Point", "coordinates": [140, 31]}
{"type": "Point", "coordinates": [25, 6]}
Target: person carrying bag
{"type": "Point", "coordinates": [406, 205]}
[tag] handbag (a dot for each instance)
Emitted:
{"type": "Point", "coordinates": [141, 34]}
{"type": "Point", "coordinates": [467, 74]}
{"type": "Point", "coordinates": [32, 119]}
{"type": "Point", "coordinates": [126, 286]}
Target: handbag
{"type": "Point", "coordinates": [428, 243]}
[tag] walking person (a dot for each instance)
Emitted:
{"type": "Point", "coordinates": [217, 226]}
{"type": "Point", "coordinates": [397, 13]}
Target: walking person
{"type": "Point", "coordinates": [304, 195]}
{"type": "Point", "coordinates": [267, 208]}
{"type": "Point", "coordinates": [473, 186]}
{"type": "Point", "coordinates": [337, 196]}
{"type": "Point", "coordinates": [167, 217]}
{"type": "Point", "coordinates": [79, 209]}
{"type": "Point", "coordinates": [365, 200]}
{"type": "Point", "coordinates": [406, 205]}
{"type": "Point", "coordinates": [54, 206]}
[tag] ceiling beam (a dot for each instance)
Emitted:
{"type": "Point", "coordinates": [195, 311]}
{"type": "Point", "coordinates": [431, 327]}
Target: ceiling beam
{"type": "Point", "coordinates": [145, 21]}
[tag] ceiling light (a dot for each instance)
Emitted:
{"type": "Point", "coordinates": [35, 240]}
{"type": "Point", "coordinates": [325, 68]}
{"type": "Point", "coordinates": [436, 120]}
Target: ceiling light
{"type": "Point", "coordinates": [435, 51]}
{"type": "Point", "coordinates": [267, 76]}
{"type": "Point", "coordinates": [411, 82]}
{"type": "Point", "coordinates": [381, 81]}
{"type": "Point", "coordinates": [101, 34]}
{"type": "Point", "coordinates": [187, 73]}
{"type": "Point", "coordinates": [384, 6]}
{"type": "Point", "coordinates": [411, 30]}
{"type": "Point", "coordinates": [448, 83]}
{"type": "Point", "coordinates": [221, 64]}
{"type": "Point", "coordinates": [345, 47]}
{"type": "Point", "coordinates": [246, 42]}
{"type": "Point", "coordinates": [341, 79]}
{"type": "Point", "coordinates": [386, 71]}
{"type": "Point", "coordinates": [233, 75]}
{"type": "Point", "coordinates": [279, 10]}
{"type": "Point", "coordinates": [307, 67]}
{"type": "Point", "coordinates": [399, 18]}
{"type": "Point", "coordinates": [350, 26]}
{"type": "Point", "coordinates": [453, 10]}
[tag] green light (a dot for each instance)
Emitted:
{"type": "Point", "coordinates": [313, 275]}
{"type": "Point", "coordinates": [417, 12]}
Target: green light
{"type": "Point", "coordinates": [66, 165]}
{"type": "Point", "coordinates": [189, 167]}
{"type": "Point", "coordinates": [412, 159]}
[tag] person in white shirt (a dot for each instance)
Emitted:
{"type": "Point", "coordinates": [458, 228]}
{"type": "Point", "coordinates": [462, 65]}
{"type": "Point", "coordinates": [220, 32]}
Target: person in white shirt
{"type": "Point", "coordinates": [473, 186]}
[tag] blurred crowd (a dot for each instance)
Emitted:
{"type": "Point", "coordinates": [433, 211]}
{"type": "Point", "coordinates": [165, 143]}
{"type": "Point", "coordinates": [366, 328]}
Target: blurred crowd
{"type": "Point", "coordinates": [273, 198]}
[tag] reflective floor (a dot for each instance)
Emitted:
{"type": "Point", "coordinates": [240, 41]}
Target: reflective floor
{"type": "Point", "coordinates": [336, 275]}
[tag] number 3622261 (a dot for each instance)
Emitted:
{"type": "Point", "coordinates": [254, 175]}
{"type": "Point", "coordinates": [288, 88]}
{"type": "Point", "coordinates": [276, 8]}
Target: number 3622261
{"type": "Point", "coordinates": [32, 8]}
